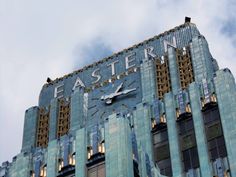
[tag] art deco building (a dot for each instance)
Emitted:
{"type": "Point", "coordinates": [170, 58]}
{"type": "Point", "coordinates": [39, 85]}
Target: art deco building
{"type": "Point", "coordinates": [159, 108]}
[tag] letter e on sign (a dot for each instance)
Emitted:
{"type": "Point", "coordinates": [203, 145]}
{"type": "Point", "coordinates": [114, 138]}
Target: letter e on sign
{"type": "Point", "coordinates": [59, 91]}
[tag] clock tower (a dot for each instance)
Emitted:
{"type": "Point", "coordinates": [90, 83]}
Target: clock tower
{"type": "Point", "coordinates": [161, 107]}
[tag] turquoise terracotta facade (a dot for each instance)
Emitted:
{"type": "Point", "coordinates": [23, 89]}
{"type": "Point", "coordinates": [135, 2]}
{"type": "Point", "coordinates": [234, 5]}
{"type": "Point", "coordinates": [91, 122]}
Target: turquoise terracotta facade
{"type": "Point", "coordinates": [116, 137]}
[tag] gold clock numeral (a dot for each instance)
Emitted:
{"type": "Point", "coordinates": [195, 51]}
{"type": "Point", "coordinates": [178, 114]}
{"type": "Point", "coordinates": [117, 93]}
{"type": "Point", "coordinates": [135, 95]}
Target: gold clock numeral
{"type": "Point", "coordinates": [124, 105]}
{"type": "Point", "coordinates": [91, 107]}
{"type": "Point", "coordinates": [94, 113]}
{"type": "Point", "coordinates": [94, 98]}
{"type": "Point", "coordinates": [102, 114]}
{"type": "Point", "coordinates": [131, 83]}
{"type": "Point", "coordinates": [102, 91]}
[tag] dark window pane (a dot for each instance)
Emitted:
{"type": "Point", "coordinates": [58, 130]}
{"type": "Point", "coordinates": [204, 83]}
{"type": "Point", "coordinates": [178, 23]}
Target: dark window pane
{"type": "Point", "coordinates": [185, 126]}
{"type": "Point", "coordinates": [160, 137]}
{"type": "Point", "coordinates": [187, 165]}
{"type": "Point", "coordinates": [186, 160]}
{"type": "Point", "coordinates": [206, 117]}
{"type": "Point", "coordinates": [216, 143]}
{"type": "Point", "coordinates": [168, 171]}
{"type": "Point", "coordinates": [164, 135]}
{"type": "Point", "coordinates": [214, 154]}
{"type": "Point", "coordinates": [220, 141]}
{"type": "Point", "coordinates": [215, 114]}
{"type": "Point", "coordinates": [188, 142]}
{"type": "Point", "coordinates": [101, 170]}
{"type": "Point", "coordinates": [97, 171]}
{"type": "Point", "coordinates": [221, 146]}
{"type": "Point", "coordinates": [156, 138]}
{"type": "Point", "coordinates": [162, 152]}
{"type": "Point", "coordinates": [214, 131]}
{"type": "Point", "coordinates": [211, 115]}
{"type": "Point", "coordinates": [186, 156]}
{"type": "Point", "coordinates": [194, 157]}
{"type": "Point", "coordinates": [162, 171]}
{"type": "Point", "coordinates": [92, 173]}
{"type": "Point", "coordinates": [190, 158]}
{"type": "Point", "coordinates": [182, 127]}
{"type": "Point", "coordinates": [189, 125]}
{"type": "Point", "coordinates": [212, 144]}
{"type": "Point", "coordinates": [165, 167]}
{"type": "Point", "coordinates": [222, 151]}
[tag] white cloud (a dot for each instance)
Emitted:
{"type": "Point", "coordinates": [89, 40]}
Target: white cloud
{"type": "Point", "coordinates": [47, 38]}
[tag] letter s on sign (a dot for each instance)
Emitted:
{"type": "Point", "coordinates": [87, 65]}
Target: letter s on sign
{"type": "Point", "coordinates": [96, 74]}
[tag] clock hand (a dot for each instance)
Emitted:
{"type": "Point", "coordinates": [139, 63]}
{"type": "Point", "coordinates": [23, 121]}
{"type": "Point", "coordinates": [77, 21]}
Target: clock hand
{"type": "Point", "coordinates": [120, 93]}
{"type": "Point", "coordinates": [112, 95]}
{"type": "Point", "coordinates": [108, 98]}
{"type": "Point", "coordinates": [126, 91]}
{"type": "Point", "coordinates": [119, 87]}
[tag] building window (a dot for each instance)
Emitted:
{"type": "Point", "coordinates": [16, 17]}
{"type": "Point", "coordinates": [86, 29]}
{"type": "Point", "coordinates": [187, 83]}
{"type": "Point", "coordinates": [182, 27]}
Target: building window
{"type": "Point", "coordinates": [188, 144]}
{"type": "Point", "coordinates": [97, 170]}
{"type": "Point", "coordinates": [214, 133]}
{"type": "Point", "coordinates": [43, 128]}
{"type": "Point", "coordinates": [184, 62]}
{"type": "Point", "coordinates": [185, 126]}
{"type": "Point", "coordinates": [165, 167]}
{"type": "Point", "coordinates": [162, 152]}
{"type": "Point", "coordinates": [188, 141]}
{"type": "Point", "coordinates": [217, 148]}
{"type": "Point", "coordinates": [162, 76]}
{"type": "Point", "coordinates": [190, 158]}
{"type": "Point", "coordinates": [63, 123]}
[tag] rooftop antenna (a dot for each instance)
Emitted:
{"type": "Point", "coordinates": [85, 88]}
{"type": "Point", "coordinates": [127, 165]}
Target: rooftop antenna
{"type": "Point", "coordinates": [187, 19]}
{"type": "Point", "coordinates": [49, 80]}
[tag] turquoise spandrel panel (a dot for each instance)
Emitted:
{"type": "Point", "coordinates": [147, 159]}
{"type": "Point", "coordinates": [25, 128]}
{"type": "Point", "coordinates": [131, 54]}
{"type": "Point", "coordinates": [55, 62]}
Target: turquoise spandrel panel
{"type": "Point", "coordinates": [53, 119]}
{"type": "Point", "coordinates": [77, 110]}
{"type": "Point", "coordinates": [118, 144]}
{"type": "Point", "coordinates": [30, 128]}
{"type": "Point", "coordinates": [148, 80]}
{"type": "Point", "coordinates": [20, 167]}
{"type": "Point", "coordinates": [205, 164]}
{"type": "Point", "coordinates": [81, 152]}
{"type": "Point", "coordinates": [173, 68]}
{"type": "Point", "coordinates": [173, 135]}
{"type": "Point", "coordinates": [226, 97]}
{"type": "Point", "coordinates": [201, 59]}
{"type": "Point", "coordinates": [142, 127]}
{"type": "Point", "coordinates": [52, 158]}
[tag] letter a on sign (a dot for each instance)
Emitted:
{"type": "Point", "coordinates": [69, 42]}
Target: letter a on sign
{"type": "Point", "coordinates": [78, 83]}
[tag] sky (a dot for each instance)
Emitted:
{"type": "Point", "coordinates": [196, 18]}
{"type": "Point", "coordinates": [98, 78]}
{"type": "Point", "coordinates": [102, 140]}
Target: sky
{"type": "Point", "coordinates": [50, 38]}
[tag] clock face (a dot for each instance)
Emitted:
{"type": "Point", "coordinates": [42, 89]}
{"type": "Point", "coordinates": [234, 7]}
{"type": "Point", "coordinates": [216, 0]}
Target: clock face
{"type": "Point", "coordinates": [118, 96]}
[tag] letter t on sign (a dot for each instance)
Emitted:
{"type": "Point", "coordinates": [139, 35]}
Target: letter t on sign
{"type": "Point", "coordinates": [113, 72]}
